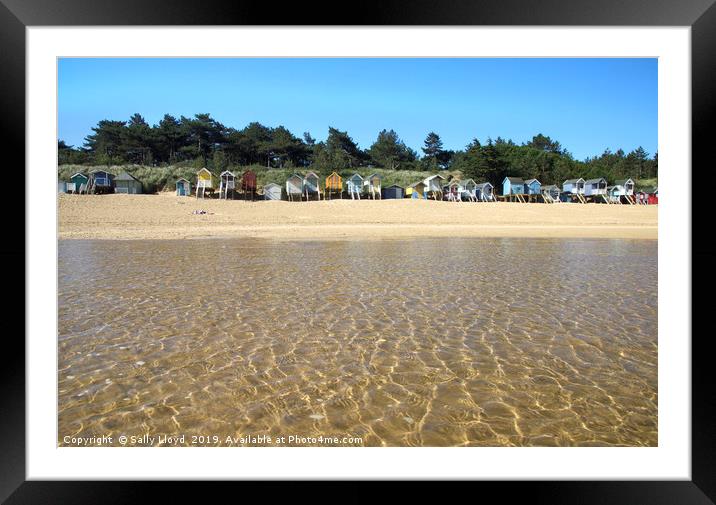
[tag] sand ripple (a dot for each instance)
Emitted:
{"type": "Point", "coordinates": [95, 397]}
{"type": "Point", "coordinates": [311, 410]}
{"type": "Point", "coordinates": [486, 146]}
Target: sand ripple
{"type": "Point", "coordinates": [440, 342]}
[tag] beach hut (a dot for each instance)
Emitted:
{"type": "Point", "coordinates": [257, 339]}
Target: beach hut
{"type": "Point", "coordinates": [653, 197]}
{"type": "Point", "coordinates": [227, 182]}
{"type": "Point", "coordinates": [62, 187]}
{"type": "Point", "coordinates": [272, 191]}
{"type": "Point", "coordinates": [128, 184]}
{"type": "Point", "coordinates": [311, 185]}
{"type": "Point", "coordinates": [573, 186]}
{"type": "Point", "coordinates": [627, 186]}
{"type": "Point", "coordinates": [354, 186]}
{"type": "Point", "coordinates": [334, 184]}
{"type": "Point", "coordinates": [623, 188]}
{"type": "Point", "coordinates": [484, 192]}
{"type": "Point", "coordinates": [615, 193]}
{"type": "Point", "coordinates": [513, 186]}
{"type": "Point", "coordinates": [294, 187]}
{"type": "Point", "coordinates": [594, 187]}
{"type": "Point", "coordinates": [417, 190]}
{"type": "Point", "coordinates": [467, 191]}
{"type": "Point", "coordinates": [100, 182]}
{"type": "Point", "coordinates": [550, 193]}
{"type": "Point", "coordinates": [393, 192]}
{"type": "Point", "coordinates": [78, 183]}
{"type": "Point", "coordinates": [372, 184]}
{"type": "Point", "coordinates": [183, 187]}
{"type": "Point", "coordinates": [248, 184]}
{"type": "Point", "coordinates": [434, 186]}
{"type": "Point", "coordinates": [204, 181]}
{"type": "Point", "coordinates": [533, 187]}
{"type": "Point", "coordinates": [452, 191]}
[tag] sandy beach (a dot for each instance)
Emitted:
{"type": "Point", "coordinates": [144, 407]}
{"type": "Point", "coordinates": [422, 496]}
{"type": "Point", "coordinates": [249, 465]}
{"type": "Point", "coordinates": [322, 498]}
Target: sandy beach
{"type": "Point", "coordinates": [167, 216]}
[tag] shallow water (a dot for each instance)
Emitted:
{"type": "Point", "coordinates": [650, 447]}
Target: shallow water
{"type": "Point", "coordinates": [429, 342]}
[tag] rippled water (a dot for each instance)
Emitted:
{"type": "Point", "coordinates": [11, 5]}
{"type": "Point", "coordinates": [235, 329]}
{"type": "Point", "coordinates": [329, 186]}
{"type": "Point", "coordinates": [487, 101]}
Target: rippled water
{"type": "Point", "coordinates": [398, 342]}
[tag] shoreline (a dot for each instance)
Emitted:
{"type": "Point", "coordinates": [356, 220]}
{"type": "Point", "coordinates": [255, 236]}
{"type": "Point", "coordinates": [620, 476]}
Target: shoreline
{"type": "Point", "coordinates": [168, 217]}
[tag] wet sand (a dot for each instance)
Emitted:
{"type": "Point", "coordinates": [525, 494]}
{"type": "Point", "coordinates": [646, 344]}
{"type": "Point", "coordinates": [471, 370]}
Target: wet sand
{"type": "Point", "coordinates": [167, 216]}
{"type": "Point", "coordinates": [425, 342]}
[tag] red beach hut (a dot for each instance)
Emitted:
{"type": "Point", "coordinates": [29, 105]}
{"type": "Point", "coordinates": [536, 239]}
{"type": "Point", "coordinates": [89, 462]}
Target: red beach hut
{"type": "Point", "coordinates": [248, 184]}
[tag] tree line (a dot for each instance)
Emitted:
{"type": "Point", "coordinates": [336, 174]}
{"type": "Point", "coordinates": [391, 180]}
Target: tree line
{"type": "Point", "coordinates": [204, 141]}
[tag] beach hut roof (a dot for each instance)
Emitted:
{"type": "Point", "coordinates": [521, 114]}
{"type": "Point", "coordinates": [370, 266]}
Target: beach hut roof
{"type": "Point", "coordinates": [295, 176]}
{"type": "Point", "coordinates": [226, 172]}
{"type": "Point", "coordinates": [395, 186]}
{"type": "Point", "coordinates": [78, 173]}
{"type": "Point", "coordinates": [375, 175]}
{"type": "Point", "coordinates": [272, 184]}
{"type": "Point", "coordinates": [514, 180]}
{"type": "Point", "coordinates": [468, 181]}
{"type": "Point", "coordinates": [484, 184]}
{"type": "Point", "coordinates": [530, 181]}
{"type": "Point", "coordinates": [181, 179]}
{"type": "Point", "coordinates": [124, 176]}
{"type": "Point", "coordinates": [357, 175]}
{"type": "Point", "coordinates": [311, 174]}
{"type": "Point", "coordinates": [598, 179]}
{"type": "Point", "coordinates": [573, 181]}
{"type": "Point", "coordinates": [622, 182]}
{"type": "Point", "coordinates": [100, 171]}
{"type": "Point", "coordinates": [550, 186]}
{"type": "Point", "coordinates": [204, 170]}
{"type": "Point", "coordinates": [416, 184]}
{"type": "Point", "coordinates": [434, 176]}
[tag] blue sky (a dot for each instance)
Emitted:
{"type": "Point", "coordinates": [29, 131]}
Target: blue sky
{"type": "Point", "coordinates": [588, 105]}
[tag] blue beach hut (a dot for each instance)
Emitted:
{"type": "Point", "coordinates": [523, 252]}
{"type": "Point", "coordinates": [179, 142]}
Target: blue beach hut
{"type": "Point", "coordinates": [483, 192]}
{"type": "Point", "coordinates": [183, 187]}
{"type": "Point", "coordinates": [100, 181]}
{"type": "Point", "coordinates": [393, 192]}
{"type": "Point", "coordinates": [513, 186]}
{"type": "Point", "coordinates": [533, 187]}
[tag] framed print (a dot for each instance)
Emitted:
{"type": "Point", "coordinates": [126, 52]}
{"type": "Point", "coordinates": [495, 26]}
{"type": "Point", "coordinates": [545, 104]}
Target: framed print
{"type": "Point", "coordinates": [427, 244]}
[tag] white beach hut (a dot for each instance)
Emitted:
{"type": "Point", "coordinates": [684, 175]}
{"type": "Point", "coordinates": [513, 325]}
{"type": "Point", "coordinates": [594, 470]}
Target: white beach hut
{"type": "Point", "coordinates": [434, 186]}
{"type": "Point", "coordinates": [227, 183]}
{"type": "Point", "coordinates": [372, 185]}
{"type": "Point", "coordinates": [573, 186]}
{"type": "Point", "coordinates": [594, 187]}
{"type": "Point", "coordinates": [354, 186]}
{"type": "Point", "coordinates": [294, 187]}
{"type": "Point", "coordinates": [272, 191]}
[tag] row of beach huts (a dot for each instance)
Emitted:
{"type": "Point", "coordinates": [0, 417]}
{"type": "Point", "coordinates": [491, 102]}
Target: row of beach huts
{"type": "Point", "coordinates": [308, 186]}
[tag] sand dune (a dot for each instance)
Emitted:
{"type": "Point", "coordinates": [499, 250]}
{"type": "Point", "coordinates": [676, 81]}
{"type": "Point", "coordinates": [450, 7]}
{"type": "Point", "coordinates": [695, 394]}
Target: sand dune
{"type": "Point", "coordinates": [167, 216]}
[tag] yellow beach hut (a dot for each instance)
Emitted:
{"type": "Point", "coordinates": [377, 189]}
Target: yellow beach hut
{"type": "Point", "coordinates": [416, 191]}
{"type": "Point", "coordinates": [204, 181]}
{"type": "Point", "coordinates": [334, 184]}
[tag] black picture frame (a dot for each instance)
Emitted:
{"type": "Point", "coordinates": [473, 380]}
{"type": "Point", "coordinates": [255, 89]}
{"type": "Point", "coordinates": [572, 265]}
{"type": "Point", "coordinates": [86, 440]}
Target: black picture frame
{"type": "Point", "coordinates": [700, 15]}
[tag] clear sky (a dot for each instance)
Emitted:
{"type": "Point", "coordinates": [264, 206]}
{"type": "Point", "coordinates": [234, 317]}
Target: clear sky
{"type": "Point", "coordinates": [588, 105]}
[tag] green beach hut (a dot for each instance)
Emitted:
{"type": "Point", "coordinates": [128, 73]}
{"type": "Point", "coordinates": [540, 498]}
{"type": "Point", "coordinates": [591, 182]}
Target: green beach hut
{"type": "Point", "coordinates": [127, 183]}
{"type": "Point", "coordinates": [78, 183]}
